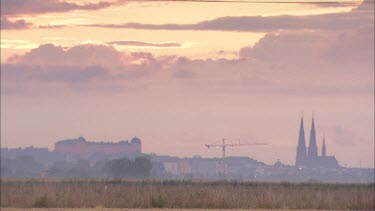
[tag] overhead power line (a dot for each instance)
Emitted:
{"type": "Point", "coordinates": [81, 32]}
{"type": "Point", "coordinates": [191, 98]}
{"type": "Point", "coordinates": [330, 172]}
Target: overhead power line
{"type": "Point", "coordinates": [349, 2]}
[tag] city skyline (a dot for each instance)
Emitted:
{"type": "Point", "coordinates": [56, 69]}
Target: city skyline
{"type": "Point", "coordinates": [188, 74]}
{"type": "Point", "coordinates": [306, 156]}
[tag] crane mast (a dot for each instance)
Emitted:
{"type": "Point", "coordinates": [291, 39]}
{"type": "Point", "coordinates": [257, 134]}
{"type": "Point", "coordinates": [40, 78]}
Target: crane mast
{"type": "Point", "coordinates": [224, 145]}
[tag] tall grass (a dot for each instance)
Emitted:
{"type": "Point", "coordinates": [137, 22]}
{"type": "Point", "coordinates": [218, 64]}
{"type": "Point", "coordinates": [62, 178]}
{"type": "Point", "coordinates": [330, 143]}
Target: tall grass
{"type": "Point", "coordinates": [185, 194]}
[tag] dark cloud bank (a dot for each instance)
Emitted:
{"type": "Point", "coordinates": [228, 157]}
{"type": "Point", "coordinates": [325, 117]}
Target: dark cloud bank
{"type": "Point", "coordinates": [18, 7]}
{"type": "Point", "coordinates": [145, 44]}
{"type": "Point", "coordinates": [363, 15]}
{"type": "Point", "coordinates": [19, 24]}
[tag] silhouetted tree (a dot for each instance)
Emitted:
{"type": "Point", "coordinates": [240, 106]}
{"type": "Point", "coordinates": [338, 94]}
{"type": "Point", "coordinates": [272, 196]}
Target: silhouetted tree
{"type": "Point", "coordinates": [142, 167]}
{"type": "Point", "coordinates": [81, 169]}
{"type": "Point", "coordinates": [125, 168]}
{"type": "Point", "coordinates": [22, 166]}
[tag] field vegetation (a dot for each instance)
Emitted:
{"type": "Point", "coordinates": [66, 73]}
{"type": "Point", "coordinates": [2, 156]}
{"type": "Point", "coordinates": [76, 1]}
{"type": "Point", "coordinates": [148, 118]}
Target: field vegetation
{"type": "Point", "coordinates": [185, 194]}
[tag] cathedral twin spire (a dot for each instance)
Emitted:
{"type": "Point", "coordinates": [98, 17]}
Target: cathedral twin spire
{"type": "Point", "coordinates": [301, 148]}
{"type": "Point", "coordinates": [312, 151]}
{"type": "Point", "coordinates": [313, 148]}
{"type": "Point", "coordinates": [324, 147]}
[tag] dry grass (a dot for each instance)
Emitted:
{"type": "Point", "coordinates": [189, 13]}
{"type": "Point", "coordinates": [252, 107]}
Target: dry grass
{"type": "Point", "coordinates": [186, 194]}
{"type": "Point", "coordinates": [108, 209]}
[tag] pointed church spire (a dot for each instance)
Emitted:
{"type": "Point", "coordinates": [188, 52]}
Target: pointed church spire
{"type": "Point", "coordinates": [313, 148]}
{"type": "Point", "coordinates": [301, 138]}
{"type": "Point", "coordinates": [324, 147]}
{"type": "Point", "coordinates": [301, 148]}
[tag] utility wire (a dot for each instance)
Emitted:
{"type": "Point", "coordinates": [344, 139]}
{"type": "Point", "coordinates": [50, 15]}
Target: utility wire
{"type": "Point", "coordinates": [349, 2]}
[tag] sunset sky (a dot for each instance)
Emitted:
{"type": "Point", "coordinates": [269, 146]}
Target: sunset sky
{"type": "Point", "coordinates": [181, 74]}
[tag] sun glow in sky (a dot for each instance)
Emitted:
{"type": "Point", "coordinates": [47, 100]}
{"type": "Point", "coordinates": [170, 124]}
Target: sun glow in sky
{"type": "Point", "coordinates": [182, 74]}
{"type": "Point", "coordinates": [202, 44]}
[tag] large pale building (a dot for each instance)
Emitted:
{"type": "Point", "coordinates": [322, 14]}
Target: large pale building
{"type": "Point", "coordinates": [85, 149]}
{"type": "Point", "coordinates": [309, 157]}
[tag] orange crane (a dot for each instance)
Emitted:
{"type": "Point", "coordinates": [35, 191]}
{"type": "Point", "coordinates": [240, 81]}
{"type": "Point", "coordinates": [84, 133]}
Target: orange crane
{"type": "Point", "coordinates": [224, 145]}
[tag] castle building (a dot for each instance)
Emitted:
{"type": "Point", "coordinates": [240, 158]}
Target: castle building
{"type": "Point", "coordinates": [85, 149]}
{"type": "Point", "coordinates": [311, 159]}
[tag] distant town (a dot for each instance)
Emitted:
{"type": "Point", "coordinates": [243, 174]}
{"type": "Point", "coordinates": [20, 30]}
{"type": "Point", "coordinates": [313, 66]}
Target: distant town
{"type": "Point", "coordinates": [79, 158]}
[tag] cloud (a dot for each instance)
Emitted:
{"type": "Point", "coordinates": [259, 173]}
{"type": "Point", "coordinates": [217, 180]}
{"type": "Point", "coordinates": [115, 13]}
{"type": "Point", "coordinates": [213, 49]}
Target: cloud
{"type": "Point", "coordinates": [80, 55]}
{"type": "Point", "coordinates": [66, 74]}
{"type": "Point", "coordinates": [302, 48]}
{"type": "Point", "coordinates": [145, 44]}
{"type": "Point", "coordinates": [18, 24]}
{"type": "Point", "coordinates": [332, 3]}
{"type": "Point", "coordinates": [51, 26]}
{"type": "Point", "coordinates": [17, 7]}
{"type": "Point", "coordinates": [88, 65]}
{"type": "Point", "coordinates": [355, 46]}
{"type": "Point", "coordinates": [316, 62]}
{"type": "Point", "coordinates": [363, 15]}
{"type": "Point", "coordinates": [183, 74]}
{"type": "Point", "coordinates": [343, 137]}
{"type": "Point", "coordinates": [351, 47]}
{"type": "Point", "coordinates": [309, 63]}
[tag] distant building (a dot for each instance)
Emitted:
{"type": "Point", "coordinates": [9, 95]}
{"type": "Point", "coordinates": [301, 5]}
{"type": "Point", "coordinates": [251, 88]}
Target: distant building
{"type": "Point", "coordinates": [177, 167]}
{"type": "Point", "coordinates": [311, 159]}
{"type": "Point", "coordinates": [85, 149]}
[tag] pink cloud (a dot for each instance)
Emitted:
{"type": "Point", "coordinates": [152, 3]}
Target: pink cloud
{"type": "Point", "coordinates": [344, 137]}
{"type": "Point", "coordinates": [361, 16]}
{"type": "Point", "coordinates": [16, 7]}
{"type": "Point", "coordinates": [19, 24]}
{"type": "Point", "coordinates": [145, 44]}
{"type": "Point", "coordinates": [355, 46]}
{"type": "Point", "coordinates": [288, 63]}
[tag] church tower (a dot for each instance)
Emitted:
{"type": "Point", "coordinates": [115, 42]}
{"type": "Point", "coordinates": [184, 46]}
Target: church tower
{"type": "Point", "coordinates": [324, 147]}
{"type": "Point", "coordinates": [301, 148]}
{"type": "Point", "coordinates": [313, 149]}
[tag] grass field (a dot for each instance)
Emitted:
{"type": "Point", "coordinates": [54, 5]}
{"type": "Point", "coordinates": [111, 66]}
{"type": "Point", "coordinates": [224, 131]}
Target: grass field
{"type": "Point", "coordinates": [185, 194]}
{"type": "Point", "coordinates": [124, 209]}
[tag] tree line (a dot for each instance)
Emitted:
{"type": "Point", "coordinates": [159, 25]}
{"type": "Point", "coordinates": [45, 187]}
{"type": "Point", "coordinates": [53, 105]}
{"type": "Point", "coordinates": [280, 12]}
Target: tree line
{"type": "Point", "coordinates": [27, 167]}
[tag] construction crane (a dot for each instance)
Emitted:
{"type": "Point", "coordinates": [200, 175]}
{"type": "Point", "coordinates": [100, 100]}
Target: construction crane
{"type": "Point", "coordinates": [224, 145]}
{"type": "Point", "coordinates": [223, 166]}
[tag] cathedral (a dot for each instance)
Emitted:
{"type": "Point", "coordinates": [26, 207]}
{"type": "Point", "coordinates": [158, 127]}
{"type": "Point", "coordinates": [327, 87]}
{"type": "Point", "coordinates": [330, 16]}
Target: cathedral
{"type": "Point", "coordinates": [309, 157]}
